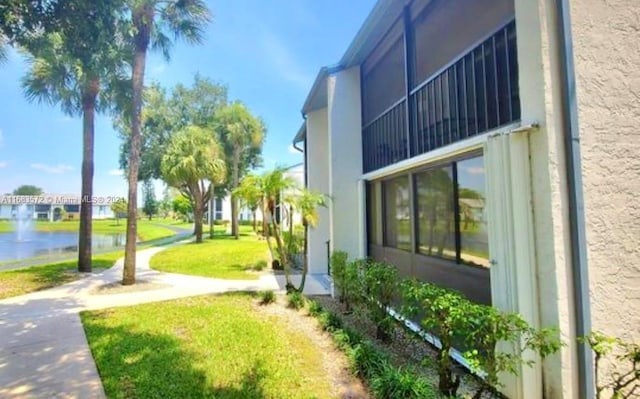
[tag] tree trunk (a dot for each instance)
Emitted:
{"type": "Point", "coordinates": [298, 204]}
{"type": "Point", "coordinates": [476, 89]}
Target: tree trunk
{"type": "Point", "coordinates": [235, 229]}
{"type": "Point", "coordinates": [305, 255]}
{"type": "Point", "coordinates": [142, 20]}
{"type": "Point", "coordinates": [212, 201]}
{"type": "Point", "coordinates": [86, 197]}
{"type": "Point", "coordinates": [253, 217]}
{"type": "Point", "coordinates": [198, 213]}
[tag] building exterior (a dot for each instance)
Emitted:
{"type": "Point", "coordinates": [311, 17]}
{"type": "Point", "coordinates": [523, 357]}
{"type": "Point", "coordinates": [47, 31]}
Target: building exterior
{"type": "Point", "coordinates": [491, 146]}
{"type": "Point", "coordinates": [52, 207]}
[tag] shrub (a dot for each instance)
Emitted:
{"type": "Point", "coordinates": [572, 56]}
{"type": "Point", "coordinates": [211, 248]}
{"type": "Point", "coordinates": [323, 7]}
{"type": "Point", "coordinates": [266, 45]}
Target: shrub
{"type": "Point", "coordinates": [296, 300]}
{"type": "Point", "coordinates": [338, 262]}
{"type": "Point", "coordinates": [366, 361]}
{"type": "Point", "coordinates": [314, 308]}
{"type": "Point", "coordinates": [621, 383]}
{"type": "Point", "coordinates": [486, 327]}
{"type": "Point", "coordinates": [401, 383]}
{"type": "Point", "coordinates": [260, 265]}
{"type": "Point", "coordinates": [380, 286]}
{"type": "Point", "coordinates": [443, 316]}
{"type": "Point", "coordinates": [453, 318]}
{"type": "Point", "coordinates": [267, 297]}
{"type": "Point", "coordinates": [329, 321]}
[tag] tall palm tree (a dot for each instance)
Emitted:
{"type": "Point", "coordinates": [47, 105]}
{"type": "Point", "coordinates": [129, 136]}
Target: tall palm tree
{"type": "Point", "coordinates": [3, 49]}
{"type": "Point", "coordinates": [75, 62]}
{"type": "Point", "coordinates": [153, 22]}
{"type": "Point", "coordinates": [192, 163]}
{"type": "Point", "coordinates": [242, 135]}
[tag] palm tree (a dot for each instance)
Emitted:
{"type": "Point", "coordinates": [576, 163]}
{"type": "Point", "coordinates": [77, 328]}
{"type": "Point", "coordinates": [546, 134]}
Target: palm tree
{"type": "Point", "coordinates": [306, 202]}
{"type": "Point", "coordinates": [153, 22]}
{"type": "Point", "coordinates": [3, 49]}
{"type": "Point", "coordinates": [242, 135]}
{"type": "Point", "coordinates": [75, 65]}
{"type": "Point", "coordinates": [248, 191]}
{"type": "Point", "coordinates": [192, 163]}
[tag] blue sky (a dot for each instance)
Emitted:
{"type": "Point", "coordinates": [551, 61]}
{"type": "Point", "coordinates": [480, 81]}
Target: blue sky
{"type": "Point", "coordinates": [267, 51]}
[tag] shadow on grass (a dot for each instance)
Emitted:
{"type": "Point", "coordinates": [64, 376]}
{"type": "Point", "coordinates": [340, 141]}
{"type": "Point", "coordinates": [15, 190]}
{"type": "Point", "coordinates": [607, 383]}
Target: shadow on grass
{"type": "Point", "coordinates": [144, 365]}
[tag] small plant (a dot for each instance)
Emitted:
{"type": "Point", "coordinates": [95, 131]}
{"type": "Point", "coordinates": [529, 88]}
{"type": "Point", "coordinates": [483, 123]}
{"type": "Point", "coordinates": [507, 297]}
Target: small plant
{"type": "Point", "coordinates": [338, 262]}
{"type": "Point", "coordinates": [267, 297]}
{"type": "Point", "coordinates": [401, 383]}
{"type": "Point", "coordinates": [366, 361]}
{"type": "Point", "coordinates": [314, 308]}
{"type": "Point", "coordinates": [380, 287]}
{"type": "Point", "coordinates": [621, 384]}
{"type": "Point", "coordinates": [486, 327]}
{"type": "Point", "coordinates": [260, 265]}
{"type": "Point", "coordinates": [443, 316]}
{"type": "Point", "coordinates": [296, 300]}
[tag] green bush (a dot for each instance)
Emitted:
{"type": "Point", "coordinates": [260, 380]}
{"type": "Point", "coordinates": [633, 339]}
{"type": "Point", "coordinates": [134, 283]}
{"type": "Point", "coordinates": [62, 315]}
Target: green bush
{"type": "Point", "coordinates": [624, 377]}
{"type": "Point", "coordinates": [260, 265]}
{"type": "Point", "coordinates": [443, 316]}
{"type": "Point", "coordinates": [380, 286]}
{"type": "Point", "coordinates": [366, 361]}
{"type": "Point", "coordinates": [338, 262]}
{"type": "Point", "coordinates": [401, 383]}
{"type": "Point", "coordinates": [453, 318]}
{"type": "Point", "coordinates": [315, 308]}
{"type": "Point", "coordinates": [295, 300]}
{"type": "Point", "coordinates": [267, 297]}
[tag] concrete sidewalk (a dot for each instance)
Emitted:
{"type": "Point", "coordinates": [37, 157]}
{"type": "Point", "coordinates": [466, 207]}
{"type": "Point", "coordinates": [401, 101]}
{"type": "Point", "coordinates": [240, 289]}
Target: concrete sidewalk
{"type": "Point", "coordinates": [43, 348]}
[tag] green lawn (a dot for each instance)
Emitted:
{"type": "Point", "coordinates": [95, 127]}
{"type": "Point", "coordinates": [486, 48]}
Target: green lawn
{"type": "Point", "coordinates": [147, 230]}
{"type": "Point", "coordinates": [222, 257]}
{"type": "Point", "coordinates": [203, 347]}
{"type": "Point", "coordinates": [36, 278]}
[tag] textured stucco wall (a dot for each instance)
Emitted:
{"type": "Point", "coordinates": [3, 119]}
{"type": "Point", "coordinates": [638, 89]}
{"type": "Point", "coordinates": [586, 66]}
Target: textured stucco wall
{"type": "Point", "coordinates": [606, 39]}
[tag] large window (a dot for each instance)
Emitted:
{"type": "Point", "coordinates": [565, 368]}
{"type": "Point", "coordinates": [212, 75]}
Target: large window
{"type": "Point", "coordinates": [397, 213]}
{"type": "Point", "coordinates": [474, 241]}
{"type": "Point", "coordinates": [435, 212]}
{"type": "Point", "coordinates": [448, 217]}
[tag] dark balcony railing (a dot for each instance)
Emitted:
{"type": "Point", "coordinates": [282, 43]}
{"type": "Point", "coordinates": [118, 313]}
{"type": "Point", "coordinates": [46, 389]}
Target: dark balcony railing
{"type": "Point", "coordinates": [385, 139]}
{"type": "Point", "coordinates": [476, 93]}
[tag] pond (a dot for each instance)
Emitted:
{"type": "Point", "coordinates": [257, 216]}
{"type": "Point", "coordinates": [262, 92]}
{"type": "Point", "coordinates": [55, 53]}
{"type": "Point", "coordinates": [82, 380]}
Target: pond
{"type": "Point", "coordinates": [50, 243]}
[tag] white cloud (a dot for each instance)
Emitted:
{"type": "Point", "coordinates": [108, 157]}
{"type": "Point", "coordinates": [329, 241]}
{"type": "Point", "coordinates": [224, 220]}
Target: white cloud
{"type": "Point", "coordinates": [53, 169]}
{"type": "Point", "coordinates": [475, 170]}
{"type": "Point", "coordinates": [283, 61]}
{"type": "Point", "coordinates": [3, 164]}
{"type": "Point", "coordinates": [116, 172]}
{"type": "Point", "coordinates": [65, 119]}
{"type": "Point", "coordinates": [158, 69]}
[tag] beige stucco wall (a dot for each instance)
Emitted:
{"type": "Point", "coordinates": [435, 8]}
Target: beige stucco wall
{"type": "Point", "coordinates": [606, 39]}
{"type": "Point", "coordinates": [606, 43]}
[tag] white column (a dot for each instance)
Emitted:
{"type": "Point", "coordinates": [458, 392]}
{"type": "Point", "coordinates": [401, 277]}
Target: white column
{"type": "Point", "coordinates": [511, 245]}
{"type": "Point", "coordinates": [345, 149]}
{"type": "Point", "coordinates": [317, 159]}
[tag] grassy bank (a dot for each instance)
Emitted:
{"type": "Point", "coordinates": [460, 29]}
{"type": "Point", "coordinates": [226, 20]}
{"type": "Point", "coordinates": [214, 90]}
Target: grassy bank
{"type": "Point", "coordinates": [147, 230]}
{"type": "Point", "coordinates": [36, 278]}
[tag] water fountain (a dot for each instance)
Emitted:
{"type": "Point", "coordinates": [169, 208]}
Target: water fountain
{"type": "Point", "coordinates": [23, 223]}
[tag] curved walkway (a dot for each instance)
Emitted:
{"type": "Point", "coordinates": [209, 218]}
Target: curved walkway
{"type": "Point", "coordinates": [43, 348]}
